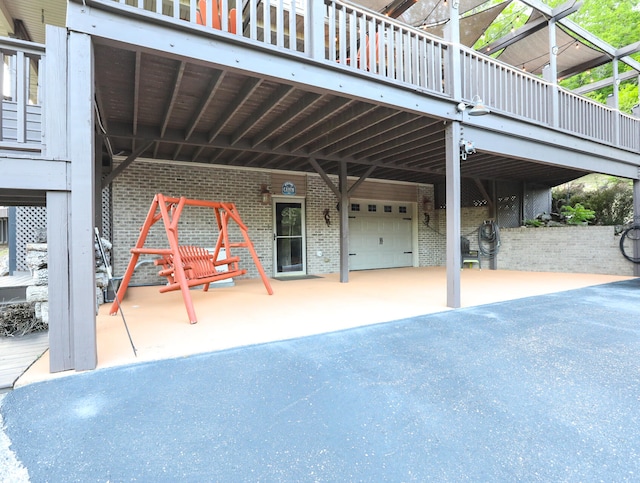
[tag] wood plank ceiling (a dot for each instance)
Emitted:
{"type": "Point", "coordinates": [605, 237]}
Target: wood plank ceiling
{"type": "Point", "coordinates": [188, 112]}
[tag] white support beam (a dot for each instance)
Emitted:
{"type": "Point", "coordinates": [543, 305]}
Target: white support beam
{"type": "Point", "coordinates": [81, 153]}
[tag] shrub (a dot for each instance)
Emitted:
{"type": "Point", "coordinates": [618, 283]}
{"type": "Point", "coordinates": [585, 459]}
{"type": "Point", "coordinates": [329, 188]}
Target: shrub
{"type": "Point", "coordinates": [611, 200]}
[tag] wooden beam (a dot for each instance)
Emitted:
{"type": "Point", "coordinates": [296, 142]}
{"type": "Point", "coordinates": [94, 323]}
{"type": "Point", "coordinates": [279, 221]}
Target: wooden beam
{"type": "Point", "coordinates": [60, 322]}
{"type": "Point", "coordinates": [344, 224]}
{"type": "Point", "coordinates": [81, 152]}
{"type": "Point", "coordinates": [125, 164]}
{"type": "Point", "coordinates": [325, 177]}
{"type": "Point", "coordinates": [174, 96]}
{"type": "Point", "coordinates": [483, 192]}
{"type": "Point", "coordinates": [594, 86]}
{"type": "Point", "coordinates": [360, 180]}
{"type": "Point", "coordinates": [453, 134]}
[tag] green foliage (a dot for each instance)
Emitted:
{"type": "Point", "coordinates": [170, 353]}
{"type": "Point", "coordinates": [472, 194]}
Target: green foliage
{"type": "Point", "coordinates": [614, 21]}
{"type": "Point", "coordinates": [534, 223]}
{"type": "Point", "coordinates": [611, 199]}
{"type": "Point", "coordinates": [577, 214]}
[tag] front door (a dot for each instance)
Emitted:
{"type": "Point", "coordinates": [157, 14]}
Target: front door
{"type": "Point", "coordinates": [289, 237]}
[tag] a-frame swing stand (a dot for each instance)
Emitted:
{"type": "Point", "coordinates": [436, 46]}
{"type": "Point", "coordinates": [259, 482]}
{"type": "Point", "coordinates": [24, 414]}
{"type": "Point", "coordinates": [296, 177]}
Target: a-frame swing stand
{"type": "Point", "coordinates": [188, 266]}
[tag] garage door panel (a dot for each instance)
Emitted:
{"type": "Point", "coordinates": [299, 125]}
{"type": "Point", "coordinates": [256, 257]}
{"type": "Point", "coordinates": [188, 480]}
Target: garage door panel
{"type": "Point", "coordinates": [380, 242]}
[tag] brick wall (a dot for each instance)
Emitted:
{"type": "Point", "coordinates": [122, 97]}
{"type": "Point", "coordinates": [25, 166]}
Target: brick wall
{"type": "Point", "coordinates": [320, 237]}
{"type": "Point", "coordinates": [562, 249]}
{"type": "Point", "coordinates": [133, 193]}
{"type": "Point", "coordinates": [575, 249]}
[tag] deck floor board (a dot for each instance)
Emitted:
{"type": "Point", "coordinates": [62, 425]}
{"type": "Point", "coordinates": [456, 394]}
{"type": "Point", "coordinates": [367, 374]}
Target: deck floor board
{"type": "Point", "coordinates": [18, 353]}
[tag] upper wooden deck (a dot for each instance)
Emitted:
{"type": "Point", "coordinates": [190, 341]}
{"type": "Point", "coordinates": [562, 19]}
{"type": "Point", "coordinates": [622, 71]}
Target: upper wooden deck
{"type": "Point", "coordinates": [271, 89]}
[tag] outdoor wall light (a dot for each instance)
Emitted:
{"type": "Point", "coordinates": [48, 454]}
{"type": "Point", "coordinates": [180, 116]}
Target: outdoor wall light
{"type": "Point", "coordinates": [466, 148]}
{"type": "Point", "coordinates": [478, 108]}
{"type": "Point", "coordinates": [265, 195]}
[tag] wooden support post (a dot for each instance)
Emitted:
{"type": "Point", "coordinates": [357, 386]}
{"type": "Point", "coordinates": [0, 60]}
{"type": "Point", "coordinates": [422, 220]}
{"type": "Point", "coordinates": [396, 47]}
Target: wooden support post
{"type": "Point", "coordinates": [452, 141]}
{"type": "Point", "coordinates": [61, 348]}
{"type": "Point", "coordinates": [636, 222]}
{"type": "Point", "coordinates": [60, 322]}
{"type": "Point", "coordinates": [344, 224]}
{"type": "Point", "coordinates": [81, 154]}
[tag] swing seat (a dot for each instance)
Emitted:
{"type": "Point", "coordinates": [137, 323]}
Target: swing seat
{"type": "Point", "coordinates": [200, 268]}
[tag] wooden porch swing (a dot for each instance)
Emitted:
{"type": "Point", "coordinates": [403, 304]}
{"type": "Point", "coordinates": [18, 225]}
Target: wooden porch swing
{"type": "Point", "coordinates": [188, 266]}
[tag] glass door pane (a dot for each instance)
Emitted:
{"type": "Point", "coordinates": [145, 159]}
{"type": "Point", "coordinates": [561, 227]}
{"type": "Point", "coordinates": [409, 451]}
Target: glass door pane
{"type": "Point", "coordinates": [289, 238]}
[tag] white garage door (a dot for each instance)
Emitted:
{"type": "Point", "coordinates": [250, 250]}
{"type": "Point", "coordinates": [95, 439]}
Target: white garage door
{"type": "Point", "coordinates": [380, 235]}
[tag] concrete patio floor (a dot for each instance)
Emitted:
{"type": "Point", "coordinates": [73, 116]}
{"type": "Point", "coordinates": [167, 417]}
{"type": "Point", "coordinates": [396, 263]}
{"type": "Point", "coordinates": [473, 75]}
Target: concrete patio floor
{"type": "Point", "coordinates": [244, 314]}
{"type": "Point", "coordinates": [537, 389]}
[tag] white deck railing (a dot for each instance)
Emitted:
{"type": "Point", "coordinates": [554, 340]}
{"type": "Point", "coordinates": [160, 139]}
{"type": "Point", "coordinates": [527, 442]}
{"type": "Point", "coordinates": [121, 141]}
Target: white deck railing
{"type": "Point", "coordinates": [364, 41]}
{"type": "Point", "coordinates": [20, 78]}
{"type": "Point", "coordinates": [504, 88]}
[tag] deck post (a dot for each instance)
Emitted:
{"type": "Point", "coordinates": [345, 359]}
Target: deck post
{"type": "Point", "coordinates": [60, 318]}
{"type": "Point", "coordinates": [58, 204]}
{"type": "Point", "coordinates": [453, 135]}
{"type": "Point", "coordinates": [314, 29]}
{"type": "Point", "coordinates": [344, 224]}
{"type": "Point", "coordinates": [616, 102]}
{"type": "Point", "coordinates": [453, 132]}
{"type": "Point", "coordinates": [552, 75]}
{"type": "Point", "coordinates": [636, 222]}
{"type": "Point", "coordinates": [81, 153]}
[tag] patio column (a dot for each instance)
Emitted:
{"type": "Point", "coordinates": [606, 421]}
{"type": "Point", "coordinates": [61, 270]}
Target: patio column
{"type": "Point", "coordinates": [80, 141]}
{"type": "Point", "coordinates": [551, 74]}
{"type": "Point", "coordinates": [636, 222]}
{"type": "Point", "coordinates": [453, 131]}
{"type": "Point", "coordinates": [61, 350]}
{"type": "Point", "coordinates": [453, 135]}
{"type": "Point", "coordinates": [344, 224]}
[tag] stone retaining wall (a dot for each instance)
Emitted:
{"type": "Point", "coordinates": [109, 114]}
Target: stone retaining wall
{"type": "Point", "coordinates": [36, 260]}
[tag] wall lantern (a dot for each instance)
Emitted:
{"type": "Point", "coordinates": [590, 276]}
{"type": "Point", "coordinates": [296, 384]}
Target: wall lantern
{"type": "Point", "coordinates": [477, 107]}
{"type": "Point", "coordinates": [265, 195]}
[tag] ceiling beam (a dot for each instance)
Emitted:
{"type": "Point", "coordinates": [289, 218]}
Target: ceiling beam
{"type": "Point", "coordinates": [346, 117]}
{"type": "Point", "coordinates": [585, 66]}
{"type": "Point", "coordinates": [313, 120]}
{"type": "Point", "coordinates": [249, 87]}
{"type": "Point", "coordinates": [174, 96]}
{"type": "Point", "coordinates": [308, 101]}
{"type": "Point", "coordinates": [594, 86]}
{"type": "Point", "coordinates": [272, 102]}
{"type": "Point", "coordinates": [125, 164]}
{"type": "Point", "coordinates": [212, 88]}
{"type": "Point", "coordinates": [531, 27]}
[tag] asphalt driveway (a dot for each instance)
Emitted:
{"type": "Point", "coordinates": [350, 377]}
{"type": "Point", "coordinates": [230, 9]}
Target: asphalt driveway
{"type": "Point", "coordinates": [545, 388]}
